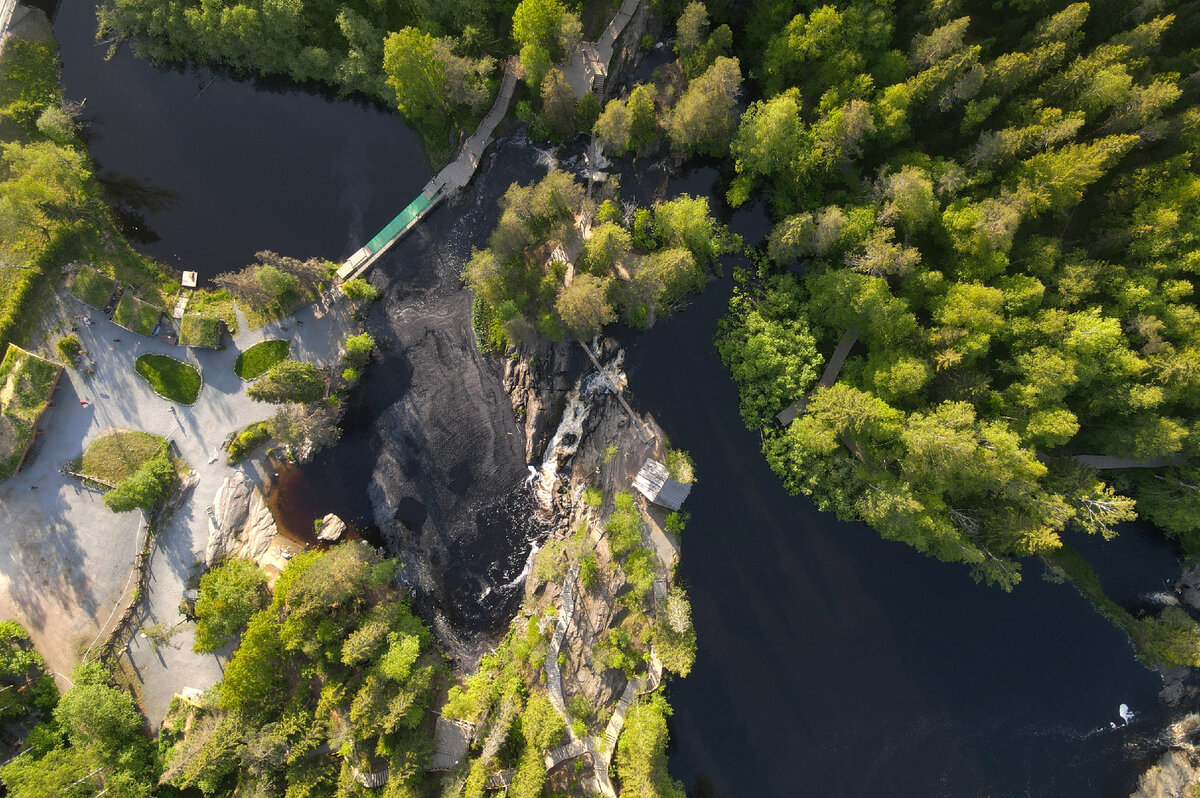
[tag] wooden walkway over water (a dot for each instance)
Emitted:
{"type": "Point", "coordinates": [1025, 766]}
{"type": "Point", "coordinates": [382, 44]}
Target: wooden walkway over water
{"type": "Point", "coordinates": [588, 68]}
{"type": "Point", "coordinates": [454, 176]}
{"type": "Point", "coordinates": [828, 377]}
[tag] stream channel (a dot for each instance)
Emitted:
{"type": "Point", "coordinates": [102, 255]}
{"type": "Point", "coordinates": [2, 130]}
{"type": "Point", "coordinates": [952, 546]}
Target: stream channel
{"type": "Point", "coordinates": [831, 662]}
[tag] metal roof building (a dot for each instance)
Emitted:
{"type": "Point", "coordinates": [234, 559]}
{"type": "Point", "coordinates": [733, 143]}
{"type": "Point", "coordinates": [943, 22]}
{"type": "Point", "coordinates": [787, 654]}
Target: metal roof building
{"type": "Point", "coordinates": [655, 483]}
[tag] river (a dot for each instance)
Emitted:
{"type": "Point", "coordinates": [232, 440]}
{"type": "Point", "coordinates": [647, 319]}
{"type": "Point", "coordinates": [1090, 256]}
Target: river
{"type": "Point", "coordinates": [207, 170]}
{"type": "Point", "coordinates": [831, 662]}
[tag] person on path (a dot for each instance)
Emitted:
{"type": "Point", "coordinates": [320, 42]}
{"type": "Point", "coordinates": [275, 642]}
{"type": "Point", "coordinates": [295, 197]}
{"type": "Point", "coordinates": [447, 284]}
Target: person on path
{"type": "Point", "coordinates": [83, 402]}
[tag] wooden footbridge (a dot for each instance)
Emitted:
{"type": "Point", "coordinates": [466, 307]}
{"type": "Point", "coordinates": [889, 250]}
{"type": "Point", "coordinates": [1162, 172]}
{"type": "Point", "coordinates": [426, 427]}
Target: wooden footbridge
{"type": "Point", "coordinates": [588, 68]}
{"type": "Point", "coordinates": [828, 377]}
{"type": "Point", "coordinates": [456, 175]}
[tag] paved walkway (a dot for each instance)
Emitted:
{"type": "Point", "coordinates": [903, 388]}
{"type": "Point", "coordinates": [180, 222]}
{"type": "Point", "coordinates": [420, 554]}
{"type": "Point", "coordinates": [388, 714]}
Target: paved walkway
{"type": "Point", "coordinates": [65, 559]}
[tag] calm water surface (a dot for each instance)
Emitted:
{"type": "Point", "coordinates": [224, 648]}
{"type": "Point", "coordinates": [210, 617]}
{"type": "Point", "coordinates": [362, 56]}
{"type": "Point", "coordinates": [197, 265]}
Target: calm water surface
{"type": "Point", "coordinates": [211, 170]}
{"type": "Point", "coordinates": [831, 662]}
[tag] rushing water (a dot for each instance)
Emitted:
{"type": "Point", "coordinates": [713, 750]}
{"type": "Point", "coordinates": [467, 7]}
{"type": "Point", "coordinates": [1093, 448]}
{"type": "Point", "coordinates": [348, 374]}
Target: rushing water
{"type": "Point", "coordinates": [831, 662]}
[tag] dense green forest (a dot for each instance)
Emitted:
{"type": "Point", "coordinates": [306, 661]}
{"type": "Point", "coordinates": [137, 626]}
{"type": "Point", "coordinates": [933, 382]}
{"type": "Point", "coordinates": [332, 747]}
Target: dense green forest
{"type": "Point", "coordinates": [1002, 202]}
{"type": "Point", "coordinates": [540, 275]}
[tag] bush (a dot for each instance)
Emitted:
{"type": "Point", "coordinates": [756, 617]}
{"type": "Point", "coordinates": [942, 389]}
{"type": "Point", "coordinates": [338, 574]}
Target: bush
{"type": "Point", "coordinates": [358, 289]}
{"type": "Point", "coordinates": [358, 350]}
{"type": "Point", "coordinates": [589, 571]}
{"type": "Point", "coordinates": [69, 348]}
{"type": "Point", "coordinates": [289, 381]}
{"type": "Point", "coordinates": [255, 361]}
{"type": "Point", "coordinates": [170, 378]}
{"type": "Point", "coordinates": [679, 464]}
{"type": "Point", "coordinates": [145, 488]}
{"type": "Point", "coordinates": [229, 595]}
{"type": "Point", "coordinates": [676, 521]}
{"type": "Point", "coordinates": [593, 497]}
{"type": "Point", "coordinates": [624, 527]}
{"type": "Point", "coordinates": [244, 442]}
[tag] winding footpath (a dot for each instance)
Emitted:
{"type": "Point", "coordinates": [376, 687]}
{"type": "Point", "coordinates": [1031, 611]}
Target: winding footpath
{"type": "Point", "coordinates": [601, 749]}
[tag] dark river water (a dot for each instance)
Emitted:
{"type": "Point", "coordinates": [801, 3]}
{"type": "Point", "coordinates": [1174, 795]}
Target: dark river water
{"type": "Point", "coordinates": [831, 663]}
{"type": "Point", "coordinates": [210, 170]}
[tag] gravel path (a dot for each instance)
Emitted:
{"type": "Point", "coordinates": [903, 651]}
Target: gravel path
{"type": "Point", "coordinates": [65, 559]}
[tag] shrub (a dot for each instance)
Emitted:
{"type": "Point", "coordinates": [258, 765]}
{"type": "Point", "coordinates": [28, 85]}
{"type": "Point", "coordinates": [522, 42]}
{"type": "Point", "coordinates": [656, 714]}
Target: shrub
{"type": "Point", "coordinates": [624, 527]}
{"type": "Point", "coordinates": [244, 442]}
{"type": "Point", "coordinates": [593, 497]}
{"type": "Point", "coordinates": [145, 488]}
{"type": "Point", "coordinates": [358, 289]}
{"type": "Point", "coordinates": [676, 521]}
{"type": "Point", "coordinates": [255, 361]}
{"type": "Point", "coordinates": [69, 348]}
{"type": "Point", "coordinates": [289, 381]}
{"type": "Point", "coordinates": [589, 571]}
{"type": "Point", "coordinates": [229, 595]}
{"type": "Point", "coordinates": [679, 464]}
{"type": "Point", "coordinates": [358, 350]}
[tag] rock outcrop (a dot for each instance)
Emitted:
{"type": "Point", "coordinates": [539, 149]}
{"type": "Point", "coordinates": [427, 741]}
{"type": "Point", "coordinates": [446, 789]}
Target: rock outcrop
{"type": "Point", "coordinates": [538, 381]}
{"type": "Point", "coordinates": [1188, 587]}
{"type": "Point", "coordinates": [241, 524]}
{"type": "Point", "coordinates": [1174, 775]}
{"type": "Point", "coordinates": [332, 528]}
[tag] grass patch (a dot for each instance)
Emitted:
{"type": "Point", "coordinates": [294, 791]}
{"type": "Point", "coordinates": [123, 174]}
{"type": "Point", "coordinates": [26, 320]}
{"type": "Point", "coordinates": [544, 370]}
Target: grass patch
{"type": "Point", "coordinates": [135, 315]}
{"type": "Point", "coordinates": [25, 384]}
{"type": "Point", "coordinates": [170, 378]}
{"type": "Point", "coordinates": [92, 287]}
{"type": "Point", "coordinates": [28, 83]}
{"type": "Point", "coordinates": [217, 304]}
{"type": "Point", "coordinates": [246, 440]}
{"type": "Point", "coordinates": [115, 457]}
{"type": "Point", "coordinates": [203, 331]}
{"type": "Point", "coordinates": [255, 361]}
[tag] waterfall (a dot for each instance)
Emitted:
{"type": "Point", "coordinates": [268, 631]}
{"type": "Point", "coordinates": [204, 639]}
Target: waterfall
{"type": "Point", "coordinates": [546, 158]}
{"type": "Point", "coordinates": [564, 443]}
{"type": "Point", "coordinates": [569, 434]}
{"type": "Point", "coordinates": [594, 163]}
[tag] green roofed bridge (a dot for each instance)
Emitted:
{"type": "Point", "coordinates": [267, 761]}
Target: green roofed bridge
{"type": "Point", "coordinates": [453, 177]}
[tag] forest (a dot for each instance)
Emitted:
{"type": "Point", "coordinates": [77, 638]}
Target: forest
{"type": "Point", "coordinates": [1004, 215]}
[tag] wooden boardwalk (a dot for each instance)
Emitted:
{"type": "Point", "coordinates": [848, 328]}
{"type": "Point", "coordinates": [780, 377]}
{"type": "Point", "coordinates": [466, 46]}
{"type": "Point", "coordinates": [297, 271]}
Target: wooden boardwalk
{"type": "Point", "coordinates": [453, 739]}
{"type": "Point", "coordinates": [553, 674]}
{"type": "Point", "coordinates": [454, 176]}
{"type": "Point", "coordinates": [828, 377]}
{"type": "Point", "coordinates": [588, 68]}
